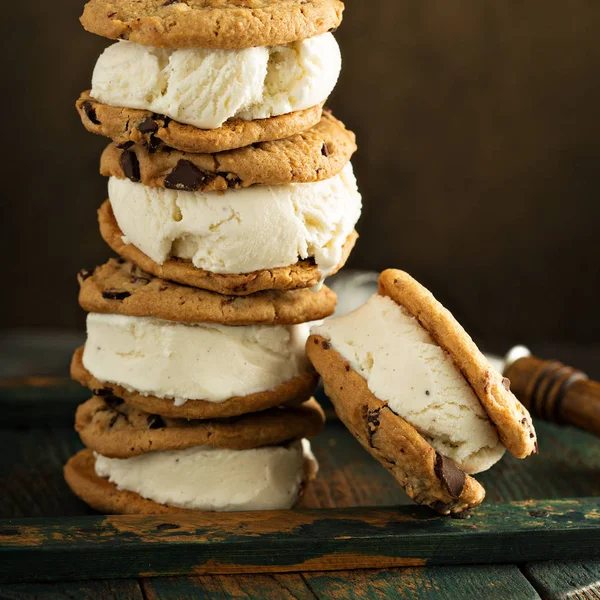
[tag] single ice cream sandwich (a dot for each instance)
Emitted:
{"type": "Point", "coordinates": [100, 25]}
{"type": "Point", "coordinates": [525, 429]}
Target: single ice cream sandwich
{"type": "Point", "coordinates": [314, 155]}
{"type": "Point", "coordinates": [141, 463]}
{"type": "Point", "coordinates": [411, 385]}
{"type": "Point", "coordinates": [237, 242]}
{"type": "Point", "coordinates": [201, 93]}
{"type": "Point", "coordinates": [183, 352]}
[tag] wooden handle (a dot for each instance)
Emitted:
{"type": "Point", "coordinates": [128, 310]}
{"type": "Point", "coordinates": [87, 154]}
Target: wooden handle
{"type": "Point", "coordinates": [556, 392]}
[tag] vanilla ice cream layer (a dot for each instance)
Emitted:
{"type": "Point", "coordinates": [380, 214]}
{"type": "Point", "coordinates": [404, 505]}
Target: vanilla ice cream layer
{"type": "Point", "coordinates": [205, 88]}
{"type": "Point", "coordinates": [183, 361]}
{"type": "Point", "coordinates": [243, 230]}
{"type": "Point", "coordinates": [210, 478]}
{"type": "Point", "coordinates": [421, 383]}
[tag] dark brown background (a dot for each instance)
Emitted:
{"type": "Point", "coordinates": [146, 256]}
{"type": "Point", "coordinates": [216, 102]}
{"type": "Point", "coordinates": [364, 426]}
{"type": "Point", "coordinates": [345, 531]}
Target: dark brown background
{"type": "Point", "coordinates": [479, 158]}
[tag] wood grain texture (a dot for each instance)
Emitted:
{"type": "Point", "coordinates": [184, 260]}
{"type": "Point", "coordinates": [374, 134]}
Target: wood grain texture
{"type": "Point", "coordinates": [31, 480]}
{"type": "Point", "coordinates": [118, 589]}
{"type": "Point", "coordinates": [572, 580]}
{"type": "Point", "coordinates": [240, 587]}
{"type": "Point", "coordinates": [427, 583]}
{"type": "Point", "coordinates": [25, 403]}
{"type": "Point", "coordinates": [297, 540]}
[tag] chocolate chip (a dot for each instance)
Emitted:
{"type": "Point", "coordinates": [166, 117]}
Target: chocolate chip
{"type": "Point", "coordinates": [347, 368]}
{"type": "Point", "coordinates": [84, 274]}
{"type": "Point", "coordinates": [102, 392]}
{"type": "Point", "coordinates": [185, 176]}
{"type": "Point", "coordinates": [113, 419]}
{"type": "Point", "coordinates": [113, 294]}
{"type": "Point", "coordinates": [325, 150]}
{"type": "Point", "coordinates": [148, 125]}
{"type": "Point", "coordinates": [233, 181]}
{"type": "Point", "coordinates": [110, 15]}
{"type": "Point", "coordinates": [155, 422]}
{"type": "Point", "coordinates": [372, 423]}
{"type": "Point", "coordinates": [120, 261]}
{"type": "Point", "coordinates": [427, 392]}
{"type": "Point", "coordinates": [113, 401]}
{"type": "Point", "coordinates": [90, 112]}
{"type": "Point", "coordinates": [124, 145]}
{"type": "Point", "coordinates": [169, 2]}
{"type": "Point", "coordinates": [153, 144]}
{"type": "Point", "coordinates": [452, 478]}
{"type": "Point", "coordinates": [326, 345]}
{"type": "Point", "coordinates": [130, 165]}
{"type": "Point", "coordinates": [506, 383]}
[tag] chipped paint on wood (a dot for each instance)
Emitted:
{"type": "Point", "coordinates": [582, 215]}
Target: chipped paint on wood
{"type": "Point", "coordinates": [297, 540]}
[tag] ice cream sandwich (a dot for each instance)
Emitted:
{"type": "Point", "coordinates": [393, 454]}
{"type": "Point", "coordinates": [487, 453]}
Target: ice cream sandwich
{"type": "Point", "coordinates": [412, 386]}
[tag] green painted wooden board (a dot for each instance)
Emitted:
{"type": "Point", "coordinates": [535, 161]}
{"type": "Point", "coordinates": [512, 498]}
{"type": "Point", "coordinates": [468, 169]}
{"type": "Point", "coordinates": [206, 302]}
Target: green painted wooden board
{"type": "Point", "coordinates": [565, 579]}
{"type": "Point", "coordinates": [496, 582]}
{"type": "Point", "coordinates": [298, 540]}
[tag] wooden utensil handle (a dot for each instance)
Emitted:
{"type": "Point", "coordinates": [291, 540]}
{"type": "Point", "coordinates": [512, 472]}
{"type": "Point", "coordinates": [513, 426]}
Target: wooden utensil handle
{"type": "Point", "coordinates": [556, 392]}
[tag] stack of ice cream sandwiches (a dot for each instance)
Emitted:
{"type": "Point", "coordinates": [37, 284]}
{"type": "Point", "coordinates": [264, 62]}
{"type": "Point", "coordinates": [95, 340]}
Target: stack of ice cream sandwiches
{"type": "Point", "coordinates": [231, 198]}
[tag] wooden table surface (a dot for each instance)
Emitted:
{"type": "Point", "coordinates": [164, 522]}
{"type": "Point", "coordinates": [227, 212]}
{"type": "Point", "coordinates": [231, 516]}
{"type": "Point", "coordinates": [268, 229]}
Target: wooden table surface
{"type": "Point", "coordinates": [31, 458]}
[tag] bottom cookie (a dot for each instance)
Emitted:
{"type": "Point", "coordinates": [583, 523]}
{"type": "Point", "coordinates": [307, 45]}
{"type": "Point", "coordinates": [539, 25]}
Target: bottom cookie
{"type": "Point", "coordinates": [105, 497]}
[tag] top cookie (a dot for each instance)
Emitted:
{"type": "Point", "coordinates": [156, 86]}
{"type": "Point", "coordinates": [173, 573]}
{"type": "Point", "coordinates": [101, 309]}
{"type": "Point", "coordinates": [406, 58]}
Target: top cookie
{"type": "Point", "coordinates": [211, 23]}
{"type": "Point", "coordinates": [120, 287]}
{"type": "Point", "coordinates": [510, 417]}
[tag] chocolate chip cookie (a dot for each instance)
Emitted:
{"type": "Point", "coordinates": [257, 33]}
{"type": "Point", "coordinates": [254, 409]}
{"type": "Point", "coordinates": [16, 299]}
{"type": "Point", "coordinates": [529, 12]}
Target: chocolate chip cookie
{"type": "Point", "coordinates": [128, 126]}
{"type": "Point", "coordinates": [510, 417]}
{"type": "Point", "coordinates": [211, 23]}
{"type": "Point", "coordinates": [120, 287]}
{"type": "Point", "coordinates": [113, 428]}
{"type": "Point", "coordinates": [314, 155]}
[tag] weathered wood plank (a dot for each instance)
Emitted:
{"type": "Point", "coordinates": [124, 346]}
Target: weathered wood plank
{"type": "Point", "coordinates": [577, 580]}
{"type": "Point", "coordinates": [435, 583]}
{"type": "Point", "coordinates": [566, 467]}
{"type": "Point", "coordinates": [39, 401]}
{"type": "Point", "coordinates": [31, 479]}
{"type": "Point", "coordinates": [119, 589]}
{"type": "Point", "coordinates": [213, 587]}
{"type": "Point", "coordinates": [299, 540]}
